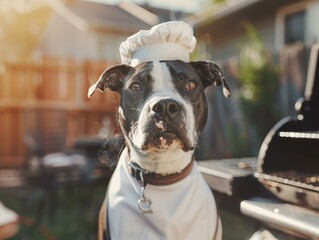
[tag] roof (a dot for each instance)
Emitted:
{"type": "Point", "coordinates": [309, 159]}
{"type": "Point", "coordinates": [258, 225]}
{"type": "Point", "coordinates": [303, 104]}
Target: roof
{"type": "Point", "coordinates": [234, 9]}
{"type": "Point", "coordinates": [124, 18]}
{"type": "Point", "coordinates": [218, 11]}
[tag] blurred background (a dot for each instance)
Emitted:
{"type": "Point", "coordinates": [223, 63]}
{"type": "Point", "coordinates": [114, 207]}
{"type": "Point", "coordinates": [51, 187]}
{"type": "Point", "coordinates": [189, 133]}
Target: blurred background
{"type": "Point", "coordinates": [51, 51]}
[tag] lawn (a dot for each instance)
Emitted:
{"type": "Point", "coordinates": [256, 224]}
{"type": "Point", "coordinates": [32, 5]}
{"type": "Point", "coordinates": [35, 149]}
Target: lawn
{"type": "Point", "coordinates": [68, 213]}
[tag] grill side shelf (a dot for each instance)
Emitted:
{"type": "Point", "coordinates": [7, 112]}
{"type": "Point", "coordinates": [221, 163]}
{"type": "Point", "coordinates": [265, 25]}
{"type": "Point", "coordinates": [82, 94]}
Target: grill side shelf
{"type": "Point", "coordinates": [301, 221]}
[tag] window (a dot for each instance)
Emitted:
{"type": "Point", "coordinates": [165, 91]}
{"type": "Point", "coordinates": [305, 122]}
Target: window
{"type": "Point", "coordinates": [294, 27]}
{"type": "Point", "coordinates": [292, 23]}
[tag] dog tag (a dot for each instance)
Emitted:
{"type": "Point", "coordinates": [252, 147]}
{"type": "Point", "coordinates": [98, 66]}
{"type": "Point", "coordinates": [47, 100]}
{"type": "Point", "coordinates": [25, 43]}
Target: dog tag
{"type": "Point", "coordinates": [145, 203]}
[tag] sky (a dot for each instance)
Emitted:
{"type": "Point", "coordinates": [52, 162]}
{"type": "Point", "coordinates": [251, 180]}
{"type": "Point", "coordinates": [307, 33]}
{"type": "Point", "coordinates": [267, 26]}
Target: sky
{"type": "Point", "coordinates": [190, 6]}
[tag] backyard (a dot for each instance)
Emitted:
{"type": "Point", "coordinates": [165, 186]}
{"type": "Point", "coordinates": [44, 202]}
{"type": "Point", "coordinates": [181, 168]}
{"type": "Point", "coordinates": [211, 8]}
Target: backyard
{"type": "Point", "coordinates": [51, 52]}
{"type": "Point", "coordinates": [73, 215]}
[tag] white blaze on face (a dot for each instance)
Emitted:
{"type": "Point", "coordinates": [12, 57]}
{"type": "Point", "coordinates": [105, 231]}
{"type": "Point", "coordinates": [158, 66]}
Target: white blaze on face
{"type": "Point", "coordinates": [163, 88]}
{"type": "Point", "coordinates": [159, 124]}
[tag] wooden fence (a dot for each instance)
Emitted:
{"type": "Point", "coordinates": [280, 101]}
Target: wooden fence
{"type": "Point", "coordinates": [47, 101]}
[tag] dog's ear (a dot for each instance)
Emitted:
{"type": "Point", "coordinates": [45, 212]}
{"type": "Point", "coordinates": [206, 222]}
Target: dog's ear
{"type": "Point", "coordinates": [211, 73]}
{"type": "Point", "coordinates": [111, 78]}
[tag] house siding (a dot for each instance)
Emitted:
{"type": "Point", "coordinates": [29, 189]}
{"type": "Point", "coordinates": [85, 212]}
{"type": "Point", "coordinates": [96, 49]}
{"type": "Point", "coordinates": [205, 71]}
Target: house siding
{"type": "Point", "coordinates": [227, 36]}
{"type": "Point", "coordinates": [228, 133]}
{"type": "Point", "coordinates": [231, 47]}
{"type": "Point", "coordinates": [62, 39]}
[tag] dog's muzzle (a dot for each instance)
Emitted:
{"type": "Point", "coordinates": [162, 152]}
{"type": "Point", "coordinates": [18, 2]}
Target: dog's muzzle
{"type": "Point", "coordinates": [166, 127]}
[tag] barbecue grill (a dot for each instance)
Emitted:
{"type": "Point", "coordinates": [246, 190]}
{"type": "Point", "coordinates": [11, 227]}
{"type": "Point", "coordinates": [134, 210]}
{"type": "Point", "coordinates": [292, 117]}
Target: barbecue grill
{"type": "Point", "coordinates": [288, 161]}
{"type": "Point", "coordinates": [281, 188]}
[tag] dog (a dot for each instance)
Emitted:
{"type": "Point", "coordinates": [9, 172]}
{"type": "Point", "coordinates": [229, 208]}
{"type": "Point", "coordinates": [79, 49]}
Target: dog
{"type": "Point", "coordinates": [156, 190]}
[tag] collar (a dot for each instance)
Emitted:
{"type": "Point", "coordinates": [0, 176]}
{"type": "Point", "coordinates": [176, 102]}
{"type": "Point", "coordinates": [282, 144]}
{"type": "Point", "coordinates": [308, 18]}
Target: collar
{"type": "Point", "coordinates": [152, 178]}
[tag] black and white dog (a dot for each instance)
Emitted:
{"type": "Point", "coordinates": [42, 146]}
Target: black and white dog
{"type": "Point", "coordinates": [156, 191]}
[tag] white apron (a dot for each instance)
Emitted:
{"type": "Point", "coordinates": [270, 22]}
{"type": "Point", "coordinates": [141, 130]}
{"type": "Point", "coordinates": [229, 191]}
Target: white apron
{"type": "Point", "coordinates": [183, 210]}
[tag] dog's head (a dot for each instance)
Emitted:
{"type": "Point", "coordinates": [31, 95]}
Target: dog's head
{"type": "Point", "coordinates": [163, 107]}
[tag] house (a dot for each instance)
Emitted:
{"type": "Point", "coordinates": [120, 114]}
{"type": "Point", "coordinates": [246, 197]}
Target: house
{"type": "Point", "coordinates": [92, 30]}
{"type": "Point", "coordinates": [287, 29]}
{"type": "Point", "coordinates": [278, 22]}
{"type": "Point", "coordinates": [77, 29]}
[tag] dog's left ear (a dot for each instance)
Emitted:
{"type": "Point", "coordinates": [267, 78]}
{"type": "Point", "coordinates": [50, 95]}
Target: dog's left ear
{"type": "Point", "coordinates": [211, 73]}
{"type": "Point", "coordinates": [111, 78]}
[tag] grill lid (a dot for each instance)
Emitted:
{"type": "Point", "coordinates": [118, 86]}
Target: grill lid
{"type": "Point", "coordinates": [288, 160]}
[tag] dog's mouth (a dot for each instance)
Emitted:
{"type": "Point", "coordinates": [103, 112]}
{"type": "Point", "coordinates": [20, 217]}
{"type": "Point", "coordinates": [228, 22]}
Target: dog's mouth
{"type": "Point", "coordinates": [167, 140]}
{"type": "Point", "coordinates": [154, 132]}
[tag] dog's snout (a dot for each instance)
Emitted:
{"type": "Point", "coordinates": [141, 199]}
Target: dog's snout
{"type": "Point", "coordinates": [167, 107]}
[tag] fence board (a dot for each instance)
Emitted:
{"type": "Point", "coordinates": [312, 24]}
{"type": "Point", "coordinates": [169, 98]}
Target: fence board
{"type": "Point", "coordinates": [50, 98]}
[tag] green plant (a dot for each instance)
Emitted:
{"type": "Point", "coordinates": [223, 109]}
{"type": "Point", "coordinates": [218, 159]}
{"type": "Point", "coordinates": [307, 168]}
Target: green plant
{"type": "Point", "coordinates": [259, 84]}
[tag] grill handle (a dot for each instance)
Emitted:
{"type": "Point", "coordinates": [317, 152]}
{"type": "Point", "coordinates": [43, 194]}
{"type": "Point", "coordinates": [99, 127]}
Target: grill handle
{"type": "Point", "coordinates": [308, 106]}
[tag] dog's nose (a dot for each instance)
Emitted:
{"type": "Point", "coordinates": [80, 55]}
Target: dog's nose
{"type": "Point", "coordinates": [166, 107]}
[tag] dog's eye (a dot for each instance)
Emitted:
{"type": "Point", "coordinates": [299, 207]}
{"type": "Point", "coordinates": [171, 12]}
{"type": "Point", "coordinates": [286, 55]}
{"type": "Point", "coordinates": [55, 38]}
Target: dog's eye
{"type": "Point", "coordinates": [135, 87]}
{"type": "Point", "coordinates": [191, 85]}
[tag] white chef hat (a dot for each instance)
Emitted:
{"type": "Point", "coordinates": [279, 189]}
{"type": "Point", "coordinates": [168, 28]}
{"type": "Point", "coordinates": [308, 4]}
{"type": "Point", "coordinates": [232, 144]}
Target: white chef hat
{"type": "Point", "coordinates": [166, 41]}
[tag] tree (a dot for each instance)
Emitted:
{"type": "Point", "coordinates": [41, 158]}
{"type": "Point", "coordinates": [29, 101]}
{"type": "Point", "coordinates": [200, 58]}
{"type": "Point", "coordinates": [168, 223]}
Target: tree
{"type": "Point", "coordinates": [21, 27]}
{"type": "Point", "coordinates": [259, 79]}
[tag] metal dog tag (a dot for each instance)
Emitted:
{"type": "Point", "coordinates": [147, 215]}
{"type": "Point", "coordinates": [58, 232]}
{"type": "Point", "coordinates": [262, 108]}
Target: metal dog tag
{"type": "Point", "coordinates": [145, 203]}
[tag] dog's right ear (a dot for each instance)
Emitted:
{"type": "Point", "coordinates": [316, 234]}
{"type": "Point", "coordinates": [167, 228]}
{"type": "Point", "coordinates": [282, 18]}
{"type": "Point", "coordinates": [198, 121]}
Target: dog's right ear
{"type": "Point", "coordinates": [211, 73]}
{"type": "Point", "coordinates": [111, 78]}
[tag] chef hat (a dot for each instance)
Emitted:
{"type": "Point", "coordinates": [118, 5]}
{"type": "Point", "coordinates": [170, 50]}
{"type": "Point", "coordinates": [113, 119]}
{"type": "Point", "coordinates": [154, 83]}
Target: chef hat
{"type": "Point", "coordinates": [166, 41]}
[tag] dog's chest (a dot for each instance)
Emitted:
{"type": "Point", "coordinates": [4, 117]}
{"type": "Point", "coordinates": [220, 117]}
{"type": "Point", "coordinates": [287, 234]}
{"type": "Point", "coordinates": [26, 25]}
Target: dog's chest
{"type": "Point", "coordinates": [180, 211]}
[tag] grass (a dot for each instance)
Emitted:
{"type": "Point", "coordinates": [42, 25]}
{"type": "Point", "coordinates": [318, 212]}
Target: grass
{"type": "Point", "coordinates": [236, 226]}
{"type": "Point", "coordinates": [69, 213]}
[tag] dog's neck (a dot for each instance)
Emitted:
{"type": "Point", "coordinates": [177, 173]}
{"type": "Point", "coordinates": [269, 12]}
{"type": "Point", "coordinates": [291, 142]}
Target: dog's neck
{"type": "Point", "coordinates": [160, 162]}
